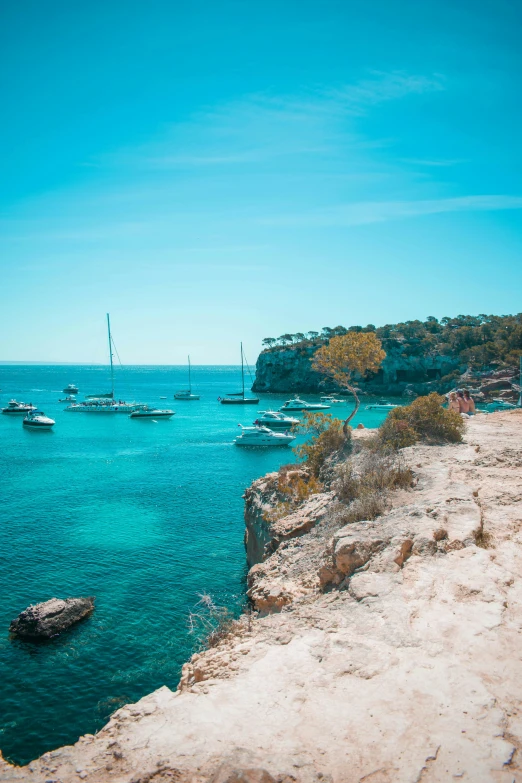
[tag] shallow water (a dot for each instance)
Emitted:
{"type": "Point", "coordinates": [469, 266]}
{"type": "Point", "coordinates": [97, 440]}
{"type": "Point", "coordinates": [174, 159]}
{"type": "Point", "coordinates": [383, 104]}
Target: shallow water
{"type": "Point", "coordinates": [143, 515]}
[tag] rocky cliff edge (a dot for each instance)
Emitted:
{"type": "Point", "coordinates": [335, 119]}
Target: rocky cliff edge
{"type": "Point", "coordinates": [385, 651]}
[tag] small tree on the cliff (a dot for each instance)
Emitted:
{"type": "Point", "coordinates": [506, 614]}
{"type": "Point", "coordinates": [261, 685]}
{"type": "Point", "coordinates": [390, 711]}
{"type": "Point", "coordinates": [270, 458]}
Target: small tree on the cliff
{"type": "Point", "coordinates": [355, 352]}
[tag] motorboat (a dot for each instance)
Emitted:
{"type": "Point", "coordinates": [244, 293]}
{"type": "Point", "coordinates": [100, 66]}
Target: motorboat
{"type": "Point", "coordinates": [37, 420]}
{"type": "Point", "coordinates": [238, 398]}
{"type": "Point", "coordinates": [500, 405]}
{"type": "Point", "coordinates": [102, 405]}
{"type": "Point", "coordinates": [151, 413]}
{"type": "Point", "coordinates": [382, 405]}
{"type": "Point", "coordinates": [15, 407]}
{"type": "Point", "coordinates": [275, 420]}
{"type": "Point", "coordinates": [69, 398]}
{"type": "Point", "coordinates": [186, 394]}
{"type": "Point", "coordinates": [296, 404]}
{"type": "Point", "coordinates": [262, 436]}
{"type": "Point", "coordinates": [70, 389]}
{"type": "Point", "coordinates": [331, 400]}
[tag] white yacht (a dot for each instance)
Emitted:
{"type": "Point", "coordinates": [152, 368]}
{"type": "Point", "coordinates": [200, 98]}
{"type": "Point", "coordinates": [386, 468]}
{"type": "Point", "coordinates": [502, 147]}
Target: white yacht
{"type": "Point", "coordinates": [37, 420]}
{"type": "Point", "coordinates": [69, 398]}
{"type": "Point", "coordinates": [15, 407]}
{"type": "Point", "coordinates": [262, 436]}
{"type": "Point", "coordinates": [296, 404]}
{"type": "Point", "coordinates": [70, 389]}
{"type": "Point", "coordinates": [332, 400]}
{"type": "Point", "coordinates": [275, 420]}
{"type": "Point", "coordinates": [382, 405]}
{"type": "Point", "coordinates": [186, 394]}
{"type": "Point", "coordinates": [152, 413]}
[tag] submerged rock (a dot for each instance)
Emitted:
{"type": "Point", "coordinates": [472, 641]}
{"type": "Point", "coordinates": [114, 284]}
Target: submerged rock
{"type": "Point", "coordinates": [50, 618]}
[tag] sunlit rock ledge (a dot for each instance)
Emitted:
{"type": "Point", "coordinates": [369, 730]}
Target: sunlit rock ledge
{"type": "Point", "coordinates": [383, 651]}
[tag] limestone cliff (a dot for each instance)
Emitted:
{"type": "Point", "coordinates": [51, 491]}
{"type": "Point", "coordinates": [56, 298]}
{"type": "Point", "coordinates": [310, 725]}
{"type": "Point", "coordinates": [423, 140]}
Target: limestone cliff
{"type": "Point", "coordinates": [384, 651]}
{"type": "Point", "coordinates": [289, 369]}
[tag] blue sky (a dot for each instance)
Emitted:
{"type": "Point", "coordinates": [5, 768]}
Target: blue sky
{"type": "Point", "coordinates": [210, 172]}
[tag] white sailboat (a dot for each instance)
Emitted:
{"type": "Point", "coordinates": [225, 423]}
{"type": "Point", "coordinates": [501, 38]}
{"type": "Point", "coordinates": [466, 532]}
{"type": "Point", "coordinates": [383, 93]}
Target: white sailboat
{"type": "Point", "coordinates": [186, 394]}
{"type": "Point", "coordinates": [105, 403]}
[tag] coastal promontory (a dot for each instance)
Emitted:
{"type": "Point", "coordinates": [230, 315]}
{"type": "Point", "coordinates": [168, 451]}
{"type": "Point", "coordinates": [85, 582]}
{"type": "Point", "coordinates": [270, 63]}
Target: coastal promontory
{"type": "Point", "coordinates": [384, 650]}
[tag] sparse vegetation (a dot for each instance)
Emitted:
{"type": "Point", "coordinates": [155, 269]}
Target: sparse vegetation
{"type": "Point", "coordinates": [423, 419]}
{"type": "Point", "coordinates": [328, 437]}
{"type": "Point", "coordinates": [294, 486]}
{"type": "Point", "coordinates": [363, 483]}
{"type": "Point", "coordinates": [211, 624]}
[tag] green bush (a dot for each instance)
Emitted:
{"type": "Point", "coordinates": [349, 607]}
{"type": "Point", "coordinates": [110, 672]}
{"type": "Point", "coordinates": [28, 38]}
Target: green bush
{"type": "Point", "coordinates": [424, 419]}
{"type": "Point", "coordinates": [327, 439]}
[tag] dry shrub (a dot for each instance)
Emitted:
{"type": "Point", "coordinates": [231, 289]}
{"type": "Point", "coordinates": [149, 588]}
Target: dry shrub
{"type": "Point", "coordinates": [364, 484]}
{"type": "Point", "coordinates": [294, 487]}
{"type": "Point", "coordinates": [423, 419]}
{"type": "Point", "coordinates": [211, 624]}
{"type": "Point", "coordinates": [327, 439]}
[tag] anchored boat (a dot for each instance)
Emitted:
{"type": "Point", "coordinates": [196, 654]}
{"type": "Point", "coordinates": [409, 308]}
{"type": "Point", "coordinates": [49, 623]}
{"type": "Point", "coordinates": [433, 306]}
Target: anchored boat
{"type": "Point", "coordinates": [37, 420]}
{"type": "Point", "coordinates": [275, 420]}
{"type": "Point", "coordinates": [70, 389]}
{"type": "Point", "coordinates": [15, 407]}
{"type": "Point", "coordinates": [238, 398]}
{"type": "Point", "coordinates": [301, 405]}
{"type": "Point", "coordinates": [151, 413]}
{"type": "Point", "coordinates": [186, 394]}
{"type": "Point", "coordinates": [262, 436]}
{"type": "Point", "coordinates": [105, 403]}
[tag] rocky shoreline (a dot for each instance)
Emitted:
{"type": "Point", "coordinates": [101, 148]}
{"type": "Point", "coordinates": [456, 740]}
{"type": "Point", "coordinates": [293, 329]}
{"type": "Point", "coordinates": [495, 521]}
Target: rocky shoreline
{"type": "Point", "coordinates": [289, 370]}
{"type": "Point", "coordinates": [380, 651]}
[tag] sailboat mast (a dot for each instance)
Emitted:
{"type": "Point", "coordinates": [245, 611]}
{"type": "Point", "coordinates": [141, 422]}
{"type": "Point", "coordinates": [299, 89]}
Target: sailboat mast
{"type": "Point", "coordinates": [110, 354]}
{"type": "Point", "coordinates": [242, 373]}
{"type": "Point", "coordinates": [190, 383]}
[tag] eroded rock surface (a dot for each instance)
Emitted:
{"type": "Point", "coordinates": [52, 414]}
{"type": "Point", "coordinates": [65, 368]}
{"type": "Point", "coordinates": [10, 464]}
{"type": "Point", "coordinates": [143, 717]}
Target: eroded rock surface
{"type": "Point", "coordinates": [404, 666]}
{"type": "Point", "coordinates": [50, 618]}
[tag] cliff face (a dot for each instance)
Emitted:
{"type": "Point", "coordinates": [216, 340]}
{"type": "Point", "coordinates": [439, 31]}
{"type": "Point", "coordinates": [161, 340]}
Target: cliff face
{"type": "Point", "coordinates": [289, 369]}
{"type": "Point", "coordinates": [384, 651]}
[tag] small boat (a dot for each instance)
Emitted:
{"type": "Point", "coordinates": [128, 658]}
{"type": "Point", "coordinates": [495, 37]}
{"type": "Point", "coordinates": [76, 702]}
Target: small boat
{"type": "Point", "coordinates": [69, 398]}
{"type": "Point", "coordinates": [37, 420]}
{"type": "Point", "coordinates": [262, 436]}
{"type": "Point", "coordinates": [500, 405]}
{"type": "Point", "coordinates": [151, 413]}
{"type": "Point", "coordinates": [186, 394]}
{"type": "Point", "coordinates": [15, 407]}
{"type": "Point", "coordinates": [70, 389]}
{"type": "Point", "coordinates": [382, 405]}
{"type": "Point", "coordinates": [301, 405]}
{"type": "Point", "coordinates": [275, 420]}
{"type": "Point", "coordinates": [238, 398]}
{"type": "Point", "coordinates": [331, 400]}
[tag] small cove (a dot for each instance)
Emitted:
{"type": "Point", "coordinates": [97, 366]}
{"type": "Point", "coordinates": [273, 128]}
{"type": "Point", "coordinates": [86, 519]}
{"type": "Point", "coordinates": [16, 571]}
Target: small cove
{"type": "Point", "coordinates": [145, 516]}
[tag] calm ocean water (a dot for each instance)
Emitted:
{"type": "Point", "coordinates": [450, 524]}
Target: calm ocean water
{"type": "Point", "coordinates": [145, 516]}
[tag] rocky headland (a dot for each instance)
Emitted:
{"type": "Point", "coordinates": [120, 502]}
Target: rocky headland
{"type": "Point", "coordinates": [383, 651]}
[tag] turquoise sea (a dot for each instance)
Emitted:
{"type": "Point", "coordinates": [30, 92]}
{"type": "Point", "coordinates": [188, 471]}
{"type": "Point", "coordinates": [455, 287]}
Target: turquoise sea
{"type": "Point", "coordinates": [144, 515]}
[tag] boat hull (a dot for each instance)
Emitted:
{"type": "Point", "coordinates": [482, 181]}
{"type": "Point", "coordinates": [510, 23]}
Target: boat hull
{"type": "Point", "coordinates": [269, 443]}
{"type": "Point", "coordinates": [36, 425]}
{"type": "Point", "coordinates": [240, 401]}
{"type": "Point", "coordinates": [187, 398]}
{"type": "Point", "coordinates": [152, 415]}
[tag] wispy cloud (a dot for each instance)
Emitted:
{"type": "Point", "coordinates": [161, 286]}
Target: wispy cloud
{"type": "Point", "coordinates": [264, 125]}
{"type": "Point", "coordinates": [361, 213]}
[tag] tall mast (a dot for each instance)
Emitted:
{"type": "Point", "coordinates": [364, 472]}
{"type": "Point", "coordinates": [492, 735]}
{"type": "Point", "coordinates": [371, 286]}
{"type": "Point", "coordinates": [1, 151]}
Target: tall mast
{"type": "Point", "coordinates": [242, 373]}
{"type": "Point", "coordinates": [190, 384]}
{"type": "Point", "coordinates": [110, 354]}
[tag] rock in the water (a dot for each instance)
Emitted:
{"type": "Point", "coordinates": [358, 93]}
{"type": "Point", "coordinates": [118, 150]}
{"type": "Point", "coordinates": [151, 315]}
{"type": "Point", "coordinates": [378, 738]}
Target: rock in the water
{"type": "Point", "coordinates": [50, 618]}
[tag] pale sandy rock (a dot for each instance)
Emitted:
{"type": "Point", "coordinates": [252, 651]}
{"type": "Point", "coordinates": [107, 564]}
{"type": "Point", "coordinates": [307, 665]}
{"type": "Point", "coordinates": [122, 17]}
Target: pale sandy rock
{"type": "Point", "coordinates": [408, 671]}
